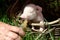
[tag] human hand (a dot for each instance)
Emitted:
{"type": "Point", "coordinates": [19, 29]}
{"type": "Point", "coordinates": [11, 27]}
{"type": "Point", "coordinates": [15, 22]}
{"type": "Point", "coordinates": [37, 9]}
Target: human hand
{"type": "Point", "coordinates": [8, 32]}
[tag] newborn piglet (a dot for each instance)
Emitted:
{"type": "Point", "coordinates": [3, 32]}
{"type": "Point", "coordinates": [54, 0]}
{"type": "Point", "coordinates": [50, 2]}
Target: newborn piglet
{"type": "Point", "coordinates": [33, 13]}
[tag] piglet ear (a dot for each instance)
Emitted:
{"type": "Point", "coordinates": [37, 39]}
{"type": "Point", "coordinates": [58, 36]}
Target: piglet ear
{"type": "Point", "coordinates": [39, 8]}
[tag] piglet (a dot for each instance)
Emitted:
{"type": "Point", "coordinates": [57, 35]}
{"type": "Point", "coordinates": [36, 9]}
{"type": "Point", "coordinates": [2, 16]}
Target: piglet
{"type": "Point", "coordinates": [34, 13]}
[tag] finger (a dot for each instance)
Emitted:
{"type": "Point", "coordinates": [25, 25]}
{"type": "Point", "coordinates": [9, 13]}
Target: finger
{"type": "Point", "coordinates": [2, 37]}
{"type": "Point", "coordinates": [8, 38]}
{"type": "Point", "coordinates": [19, 38]}
{"type": "Point", "coordinates": [12, 28]}
{"type": "Point", "coordinates": [12, 35]}
{"type": "Point", "coordinates": [3, 30]}
{"type": "Point", "coordinates": [17, 30]}
{"type": "Point", "coordinates": [4, 25]}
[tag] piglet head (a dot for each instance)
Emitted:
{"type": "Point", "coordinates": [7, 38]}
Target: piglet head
{"type": "Point", "coordinates": [29, 13]}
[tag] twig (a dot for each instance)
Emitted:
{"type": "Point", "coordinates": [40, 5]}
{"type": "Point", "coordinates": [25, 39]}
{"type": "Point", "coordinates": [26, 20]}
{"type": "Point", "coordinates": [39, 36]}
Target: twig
{"type": "Point", "coordinates": [56, 25]}
{"type": "Point", "coordinates": [45, 32]}
{"type": "Point", "coordinates": [46, 23]}
{"type": "Point", "coordinates": [53, 22]}
{"type": "Point", "coordinates": [50, 30]}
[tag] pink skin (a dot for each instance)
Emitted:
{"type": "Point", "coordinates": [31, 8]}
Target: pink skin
{"type": "Point", "coordinates": [34, 13]}
{"type": "Point", "coordinates": [8, 32]}
{"type": "Point", "coordinates": [31, 12]}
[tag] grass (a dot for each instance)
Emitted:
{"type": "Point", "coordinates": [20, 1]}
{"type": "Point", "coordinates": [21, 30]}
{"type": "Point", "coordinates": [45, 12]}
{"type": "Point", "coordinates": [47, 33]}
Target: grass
{"type": "Point", "coordinates": [29, 35]}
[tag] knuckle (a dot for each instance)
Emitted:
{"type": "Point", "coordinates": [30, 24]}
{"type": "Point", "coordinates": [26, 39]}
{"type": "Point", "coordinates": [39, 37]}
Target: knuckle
{"type": "Point", "coordinates": [19, 38]}
{"type": "Point", "coordinates": [21, 32]}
